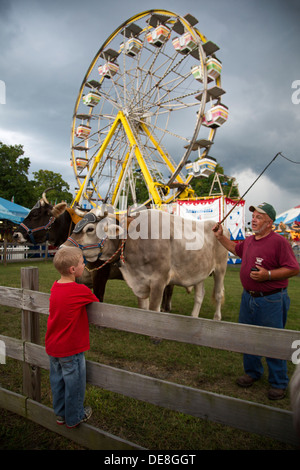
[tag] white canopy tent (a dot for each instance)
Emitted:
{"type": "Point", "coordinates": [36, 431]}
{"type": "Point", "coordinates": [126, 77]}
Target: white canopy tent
{"type": "Point", "coordinates": [289, 217]}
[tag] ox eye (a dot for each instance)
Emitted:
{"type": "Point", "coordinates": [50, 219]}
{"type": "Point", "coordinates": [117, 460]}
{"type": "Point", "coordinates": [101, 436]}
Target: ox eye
{"type": "Point", "coordinates": [90, 229]}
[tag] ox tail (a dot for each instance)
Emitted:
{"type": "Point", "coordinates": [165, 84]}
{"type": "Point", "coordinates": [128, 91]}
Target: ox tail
{"type": "Point", "coordinates": [295, 398]}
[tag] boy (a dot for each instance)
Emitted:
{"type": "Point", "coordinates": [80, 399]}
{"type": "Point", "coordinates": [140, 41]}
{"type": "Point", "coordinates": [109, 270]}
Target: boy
{"type": "Point", "coordinates": [67, 338]}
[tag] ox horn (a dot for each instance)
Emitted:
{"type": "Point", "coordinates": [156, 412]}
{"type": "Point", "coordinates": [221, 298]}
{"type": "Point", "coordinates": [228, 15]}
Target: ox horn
{"type": "Point", "coordinates": [44, 195]}
{"type": "Point", "coordinates": [79, 212]}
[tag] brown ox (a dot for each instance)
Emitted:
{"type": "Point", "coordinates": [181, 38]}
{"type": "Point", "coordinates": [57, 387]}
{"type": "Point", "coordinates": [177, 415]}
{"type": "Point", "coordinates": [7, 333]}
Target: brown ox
{"type": "Point", "coordinates": [157, 250]}
{"type": "Point", "coordinates": [55, 223]}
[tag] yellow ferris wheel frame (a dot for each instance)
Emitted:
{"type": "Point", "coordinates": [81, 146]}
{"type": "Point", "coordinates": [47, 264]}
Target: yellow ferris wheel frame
{"type": "Point", "coordinates": [121, 120]}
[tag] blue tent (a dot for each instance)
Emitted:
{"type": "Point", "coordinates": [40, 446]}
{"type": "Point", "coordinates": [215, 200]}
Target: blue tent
{"type": "Point", "coordinates": [11, 211]}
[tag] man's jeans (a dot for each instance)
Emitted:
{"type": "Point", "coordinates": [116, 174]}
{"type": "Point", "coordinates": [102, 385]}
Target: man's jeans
{"type": "Point", "coordinates": [269, 311]}
{"type": "Point", "coordinates": [68, 382]}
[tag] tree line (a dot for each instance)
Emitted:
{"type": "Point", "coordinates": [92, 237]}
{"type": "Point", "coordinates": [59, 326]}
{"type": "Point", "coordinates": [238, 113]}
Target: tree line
{"type": "Point", "coordinates": [201, 186]}
{"type": "Point", "coordinates": [15, 184]}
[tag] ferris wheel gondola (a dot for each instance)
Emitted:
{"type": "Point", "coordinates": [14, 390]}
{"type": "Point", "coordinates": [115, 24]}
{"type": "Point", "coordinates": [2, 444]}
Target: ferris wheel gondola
{"type": "Point", "coordinates": [152, 88]}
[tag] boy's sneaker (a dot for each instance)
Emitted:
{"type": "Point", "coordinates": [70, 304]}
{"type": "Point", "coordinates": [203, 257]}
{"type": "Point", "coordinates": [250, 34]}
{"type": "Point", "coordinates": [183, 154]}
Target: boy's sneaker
{"type": "Point", "coordinates": [87, 415]}
{"type": "Point", "coordinates": [60, 420]}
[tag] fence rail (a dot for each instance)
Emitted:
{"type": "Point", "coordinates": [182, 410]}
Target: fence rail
{"type": "Point", "coordinates": [13, 253]}
{"type": "Point", "coordinates": [248, 416]}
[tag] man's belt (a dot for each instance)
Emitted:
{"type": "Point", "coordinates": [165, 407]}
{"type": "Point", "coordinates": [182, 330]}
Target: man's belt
{"type": "Point", "coordinates": [254, 293]}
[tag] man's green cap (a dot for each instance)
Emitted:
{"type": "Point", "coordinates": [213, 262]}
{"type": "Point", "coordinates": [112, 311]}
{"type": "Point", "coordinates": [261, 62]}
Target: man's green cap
{"type": "Point", "coordinates": [264, 208]}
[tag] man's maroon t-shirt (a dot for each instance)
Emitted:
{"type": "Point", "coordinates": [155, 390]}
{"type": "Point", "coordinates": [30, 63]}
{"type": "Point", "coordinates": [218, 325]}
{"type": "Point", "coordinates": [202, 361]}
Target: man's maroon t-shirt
{"type": "Point", "coordinates": [270, 252]}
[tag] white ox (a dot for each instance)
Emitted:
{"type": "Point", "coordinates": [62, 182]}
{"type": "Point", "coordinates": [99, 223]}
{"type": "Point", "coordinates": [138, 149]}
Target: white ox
{"type": "Point", "coordinates": [157, 249]}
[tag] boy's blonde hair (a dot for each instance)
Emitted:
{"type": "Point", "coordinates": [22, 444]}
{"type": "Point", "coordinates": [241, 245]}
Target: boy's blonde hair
{"type": "Point", "coordinates": [66, 257]}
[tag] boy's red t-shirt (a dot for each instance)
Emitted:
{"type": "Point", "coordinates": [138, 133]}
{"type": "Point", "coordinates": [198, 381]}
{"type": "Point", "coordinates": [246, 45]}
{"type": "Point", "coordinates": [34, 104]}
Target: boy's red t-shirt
{"type": "Point", "coordinates": [67, 327]}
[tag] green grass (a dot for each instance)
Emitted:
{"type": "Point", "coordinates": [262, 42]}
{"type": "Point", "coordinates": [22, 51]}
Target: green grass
{"type": "Point", "coordinates": [148, 425]}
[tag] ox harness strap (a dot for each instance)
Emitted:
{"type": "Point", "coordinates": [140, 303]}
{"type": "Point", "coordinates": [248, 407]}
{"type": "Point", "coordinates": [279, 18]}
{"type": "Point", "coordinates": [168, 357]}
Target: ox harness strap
{"type": "Point", "coordinates": [30, 231]}
{"type": "Point", "coordinates": [100, 245]}
{"type": "Point", "coordinates": [91, 218]}
{"type": "Point", "coordinates": [111, 259]}
{"type": "Point", "coordinates": [86, 247]}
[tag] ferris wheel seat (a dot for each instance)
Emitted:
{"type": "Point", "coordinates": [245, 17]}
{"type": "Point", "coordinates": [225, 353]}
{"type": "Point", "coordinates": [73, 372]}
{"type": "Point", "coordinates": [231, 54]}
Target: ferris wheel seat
{"type": "Point", "coordinates": [89, 193]}
{"type": "Point", "coordinates": [81, 162]}
{"type": "Point", "coordinates": [214, 67]}
{"type": "Point", "coordinates": [203, 167]}
{"type": "Point", "coordinates": [91, 99]}
{"type": "Point", "coordinates": [197, 72]}
{"type": "Point", "coordinates": [83, 131]}
{"type": "Point", "coordinates": [108, 70]}
{"type": "Point", "coordinates": [213, 71]}
{"type": "Point", "coordinates": [216, 116]}
{"type": "Point", "coordinates": [132, 47]}
{"type": "Point", "coordinates": [184, 43]}
{"type": "Point", "coordinates": [158, 36]}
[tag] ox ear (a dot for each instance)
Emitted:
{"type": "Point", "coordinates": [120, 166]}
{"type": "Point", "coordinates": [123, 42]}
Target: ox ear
{"type": "Point", "coordinates": [59, 209]}
{"type": "Point", "coordinates": [113, 230]}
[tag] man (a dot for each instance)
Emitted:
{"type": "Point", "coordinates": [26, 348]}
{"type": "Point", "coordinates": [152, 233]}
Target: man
{"type": "Point", "coordinates": [267, 263]}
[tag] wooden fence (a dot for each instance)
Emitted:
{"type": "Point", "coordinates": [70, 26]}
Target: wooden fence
{"type": "Point", "coordinates": [14, 253]}
{"type": "Point", "coordinates": [248, 416]}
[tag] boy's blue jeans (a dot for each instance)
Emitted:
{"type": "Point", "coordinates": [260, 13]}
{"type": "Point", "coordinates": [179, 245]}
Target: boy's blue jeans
{"type": "Point", "coordinates": [68, 382]}
{"type": "Point", "coordinates": [269, 311]}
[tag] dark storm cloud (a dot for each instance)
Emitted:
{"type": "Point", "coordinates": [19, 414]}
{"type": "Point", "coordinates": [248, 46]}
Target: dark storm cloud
{"type": "Point", "coordinates": [259, 53]}
{"type": "Point", "coordinates": [46, 48]}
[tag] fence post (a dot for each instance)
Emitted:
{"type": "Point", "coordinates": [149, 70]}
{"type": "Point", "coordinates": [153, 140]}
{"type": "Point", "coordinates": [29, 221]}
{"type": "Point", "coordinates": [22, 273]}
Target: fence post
{"type": "Point", "coordinates": [5, 252]}
{"type": "Point", "coordinates": [31, 332]}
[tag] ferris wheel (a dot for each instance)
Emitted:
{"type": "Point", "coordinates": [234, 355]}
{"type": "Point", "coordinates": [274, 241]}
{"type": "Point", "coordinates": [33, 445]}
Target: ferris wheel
{"type": "Point", "coordinates": [148, 110]}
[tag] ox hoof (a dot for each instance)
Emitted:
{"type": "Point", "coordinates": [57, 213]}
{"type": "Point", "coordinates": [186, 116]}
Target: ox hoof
{"type": "Point", "coordinates": [217, 318]}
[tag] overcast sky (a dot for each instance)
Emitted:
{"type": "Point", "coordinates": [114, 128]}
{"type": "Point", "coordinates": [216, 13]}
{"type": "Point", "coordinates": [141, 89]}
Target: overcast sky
{"type": "Point", "coordinates": [47, 47]}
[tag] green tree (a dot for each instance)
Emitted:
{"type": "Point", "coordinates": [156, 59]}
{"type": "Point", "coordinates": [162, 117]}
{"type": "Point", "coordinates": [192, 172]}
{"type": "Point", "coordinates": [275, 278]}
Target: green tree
{"type": "Point", "coordinates": [141, 190]}
{"type": "Point", "coordinates": [14, 183]}
{"type": "Point", "coordinates": [202, 186]}
{"type": "Point", "coordinates": [44, 179]}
